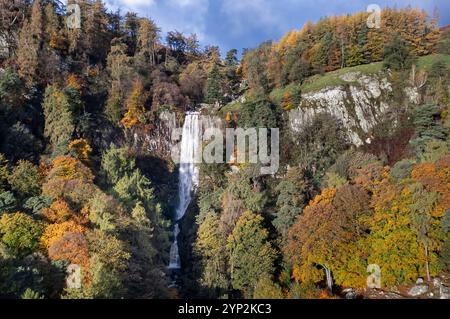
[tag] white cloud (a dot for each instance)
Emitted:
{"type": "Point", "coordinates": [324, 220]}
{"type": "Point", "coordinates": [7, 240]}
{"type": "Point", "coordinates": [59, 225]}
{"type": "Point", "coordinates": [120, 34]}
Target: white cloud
{"type": "Point", "coordinates": [245, 14]}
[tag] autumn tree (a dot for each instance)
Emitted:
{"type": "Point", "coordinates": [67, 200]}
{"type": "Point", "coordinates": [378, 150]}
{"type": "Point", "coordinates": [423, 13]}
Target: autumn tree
{"type": "Point", "coordinates": [26, 179]}
{"type": "Point", "coordinates": [147, 40]}
{"type": "Point", "coordinates": [96, 35]}
{"type": "Point", "coordinates": [71, 180]}
{"type": "Point", "coordinates": [71, 247]}
{"type": "Point", "coordinates": [59, 212]}
{"type": "Point", "coordinates": [29, 44]}
{"type": "Point", "coordinates": [332, 225]}
{"type": "Point", "coordinates": [421, 219]}
{"type": "Point", "coordinates": [135, 106]}
{"type": "Point", "coordinates": [20, 233]}
{"type": "Point", "coordinates": [267, 289]}
{"type": "Point", "coordinates": [82, 150]}
{"type": "Point", "coordinates": [119, 67]}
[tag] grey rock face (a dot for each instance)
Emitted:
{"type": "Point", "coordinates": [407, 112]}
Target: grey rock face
{"type": "Point", "coordinates": [359, 105]}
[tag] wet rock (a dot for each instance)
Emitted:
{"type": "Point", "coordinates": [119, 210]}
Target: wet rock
{"type": "Point", "coordinates": [350, 293]}
{"type": "Point", "coordinates": [444, 292]}
{"type": "Point", "coordinates": [418, 290]}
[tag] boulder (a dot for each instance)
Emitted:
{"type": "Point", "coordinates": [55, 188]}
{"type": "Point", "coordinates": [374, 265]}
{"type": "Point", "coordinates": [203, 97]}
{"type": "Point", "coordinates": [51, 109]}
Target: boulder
{"type": "Point", "coordinates": [444, 292]}
{"type": "Point", "coordinates": [350, 293]}
{"type": "Point", "coordinates": [418, 290]}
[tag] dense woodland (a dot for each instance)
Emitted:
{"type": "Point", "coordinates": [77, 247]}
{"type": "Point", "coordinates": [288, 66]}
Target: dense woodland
{"type": "Point", "coordinates": [75, 190]}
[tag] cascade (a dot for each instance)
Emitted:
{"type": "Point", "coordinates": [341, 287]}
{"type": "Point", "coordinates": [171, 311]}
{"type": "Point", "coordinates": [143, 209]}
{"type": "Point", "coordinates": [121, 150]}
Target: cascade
{"type": "Point", "coordinates": [188, 177]}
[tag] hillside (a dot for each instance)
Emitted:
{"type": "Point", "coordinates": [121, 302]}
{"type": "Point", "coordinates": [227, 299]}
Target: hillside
{"type": "Point", "coordinates": [103, 194]}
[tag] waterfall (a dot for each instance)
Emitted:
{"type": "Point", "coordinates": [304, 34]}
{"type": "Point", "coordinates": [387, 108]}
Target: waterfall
{"type": "Point", "coordinates": [188, 176]}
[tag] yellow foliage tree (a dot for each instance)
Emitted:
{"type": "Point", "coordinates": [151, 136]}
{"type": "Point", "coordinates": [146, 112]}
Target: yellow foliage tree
{"type": "Point", "coordinates": [135, 107]}
{"type": "Point", "coordinates": [54, 232]}
{"type": "Point", "coordinates": [82, 148]}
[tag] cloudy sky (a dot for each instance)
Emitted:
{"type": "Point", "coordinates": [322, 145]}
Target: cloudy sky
{"type": "Point", "coordinates": [246, 23]}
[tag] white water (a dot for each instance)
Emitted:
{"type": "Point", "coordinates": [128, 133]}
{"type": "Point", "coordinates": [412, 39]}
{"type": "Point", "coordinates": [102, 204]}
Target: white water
{"type": "Point", "coordinates": [188, 176]}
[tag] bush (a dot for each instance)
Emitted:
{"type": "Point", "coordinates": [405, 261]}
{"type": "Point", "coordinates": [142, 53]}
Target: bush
{"type": "Point", "coordinates": [402, 169]}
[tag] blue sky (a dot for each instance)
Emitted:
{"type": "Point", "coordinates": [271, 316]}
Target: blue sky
{"type": "Point", "coordinates": [246, 23]}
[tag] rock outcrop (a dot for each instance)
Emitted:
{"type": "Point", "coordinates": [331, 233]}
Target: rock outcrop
{"type": "Point", "coordinates": [359, 105]}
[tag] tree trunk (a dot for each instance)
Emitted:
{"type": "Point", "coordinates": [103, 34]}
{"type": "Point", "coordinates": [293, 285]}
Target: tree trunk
{"type": "Point", "coordinates": [427, 266]}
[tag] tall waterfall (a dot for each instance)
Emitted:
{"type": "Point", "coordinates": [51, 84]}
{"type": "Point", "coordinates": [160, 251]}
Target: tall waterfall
{"type": "Point", "coordinates": [188, 176]}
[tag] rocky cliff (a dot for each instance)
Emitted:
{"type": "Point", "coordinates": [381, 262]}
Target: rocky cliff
{"type": "Point", "coordinates": [359, 104]}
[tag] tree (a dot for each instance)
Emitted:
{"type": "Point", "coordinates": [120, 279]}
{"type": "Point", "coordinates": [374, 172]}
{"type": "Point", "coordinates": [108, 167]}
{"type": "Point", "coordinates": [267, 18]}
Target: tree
{"type": "Point", "coordinates": [214, 94]}
{"type": "Point", "coordinates": [193, 81]}
{"type": "Point", "coordinates": [7, 202]}
{"type": "Point", "coordinates": [251, 254]}
{"type": "Point", "coordinates": [26, 179]}
{"type": "Point", "coordinates": [134, 188]}
{"type": "Point", "coordinates": [327, 236]}
{"type": "Point", "coordinates": [34, 205]}
{"type": "Point", "coordinates": [397, 55]}
{"type": "Point", "coordinates": [293, 193]}
{"type": "Point", "coordinates": [147, 40]}
{"type": "Point", "coordinates": [210, 247]}
{"type": "Point", "coordinates": [428, 128]}
{"type": "Point", "coordinates": [445, 253]}
{"type": "Point", "coordinates": [58, 212]}
{"type": "Point", "coordinates": [231, 58]}
{"type": "Point", "coordinates": [3, 172]}
{"type": "Point", "coordinates": [11, 90]}
{"type": "Point", "coordinates": [116, 163]}
{"type": "Point", "coordinates": [130, 30]}
{"type": "Point", "coordinates": [82, 150]}
{"type": "Point", "coordinates": [105, 212]}
{"type": "Point", "coordinates": [319, 144]}
{"type": "Point", "coordinates": [31, 294]}
{"type": "Point", "coordinates": [258, 113]}
{"type": "Point", "coordinates": [71, 247]}
{"type": "Point", "coordinates": [109, 261]}
{"type": "Point", "coordinates": [402, 169]}
{"type": "Point", "coordinates": [20, 143]}
{"type": "Point", "coordinates": [20, 233]}
{"type": "Point", "coordinates": [393, 242]}
{"type": "Point", "coordinates": [59, 121]}
{"type": "Point", "coordinates": [421, 219]}
{"type": "Point", "coordinates": [29, 45]}
{"type": "Point", "coordinates": [120, 70]}
{"type": "Point", "coordinates": [71, 180]}
{"type": "Point", "coordinates": [254, 67]}
{"type": "Point", "coordinates": [55, 232]}
{"type": "Point", "coordinates": [96, 34]}
{"type": "Point", "coordinates": [267, 289]}
{"type": "Point", "coordinates": [135, 107]}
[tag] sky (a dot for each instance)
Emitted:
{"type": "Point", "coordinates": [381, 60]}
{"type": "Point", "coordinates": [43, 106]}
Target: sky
{"type": "Point", "coordinates": [246, 23]}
